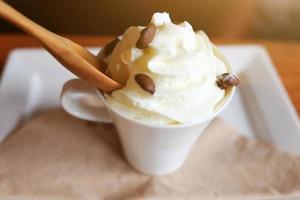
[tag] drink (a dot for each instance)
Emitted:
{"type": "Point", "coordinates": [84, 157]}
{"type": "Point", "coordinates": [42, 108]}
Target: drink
{"type": "Point", "coordinates": [175, 82]}
{"type": "Point", "coordinates": [179, 63]}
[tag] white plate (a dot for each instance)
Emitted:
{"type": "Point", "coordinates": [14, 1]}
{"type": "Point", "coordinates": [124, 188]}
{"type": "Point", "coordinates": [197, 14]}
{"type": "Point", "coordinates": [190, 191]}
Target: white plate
{"type": "Point", "coordinates": [32, 80]}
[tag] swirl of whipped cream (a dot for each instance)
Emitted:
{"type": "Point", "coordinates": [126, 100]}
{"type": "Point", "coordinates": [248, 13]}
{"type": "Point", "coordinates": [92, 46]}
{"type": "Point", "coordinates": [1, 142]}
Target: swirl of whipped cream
{"type": "Point", "coordinates": [183, 66]}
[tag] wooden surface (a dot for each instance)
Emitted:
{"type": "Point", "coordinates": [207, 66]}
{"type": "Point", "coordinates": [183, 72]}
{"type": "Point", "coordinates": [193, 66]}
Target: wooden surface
{"type": "Point", "coordinates": [285, 55]}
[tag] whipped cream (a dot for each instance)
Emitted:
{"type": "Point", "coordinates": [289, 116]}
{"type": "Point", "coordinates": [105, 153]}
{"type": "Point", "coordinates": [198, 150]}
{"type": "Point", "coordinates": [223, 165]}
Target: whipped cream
{"type": "Point", "coordinates": [183, 65]}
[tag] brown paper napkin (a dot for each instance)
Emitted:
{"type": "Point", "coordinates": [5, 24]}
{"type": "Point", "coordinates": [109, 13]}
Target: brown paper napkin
{"type": "Point", "coordinates": [58, 157]}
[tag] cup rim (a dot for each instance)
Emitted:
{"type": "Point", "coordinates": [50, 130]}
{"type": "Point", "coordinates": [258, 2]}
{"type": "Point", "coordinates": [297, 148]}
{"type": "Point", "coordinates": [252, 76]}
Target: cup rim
{"type": "Point", "coordinates": [223, 104]}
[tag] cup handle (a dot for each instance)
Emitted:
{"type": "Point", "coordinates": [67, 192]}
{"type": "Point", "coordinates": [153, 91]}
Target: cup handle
{"type": "Point", "coordinates": [83, 101]}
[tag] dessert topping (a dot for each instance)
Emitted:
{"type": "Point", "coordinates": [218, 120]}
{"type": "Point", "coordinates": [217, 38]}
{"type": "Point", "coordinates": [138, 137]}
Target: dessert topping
{"type": "Point", "coordinates": [146, 36]}
{"type": "Point", "coordinates": [108, 49]}
{"type": "Point", "coordinates": [226, 80]}
{"type": "Point", "coordinates": [145, 82]}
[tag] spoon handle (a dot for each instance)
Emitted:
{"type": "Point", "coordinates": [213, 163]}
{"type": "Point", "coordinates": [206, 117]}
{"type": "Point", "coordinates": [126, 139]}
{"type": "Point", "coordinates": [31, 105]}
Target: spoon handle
{"type": "Point", "coordinates": [42, 34]}
{"type": "Point", "coordinates": [73, 56]}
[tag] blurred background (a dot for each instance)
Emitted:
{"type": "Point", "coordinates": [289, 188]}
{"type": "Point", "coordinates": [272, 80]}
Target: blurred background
{"type": "Point", "coordinates": [279, 19]}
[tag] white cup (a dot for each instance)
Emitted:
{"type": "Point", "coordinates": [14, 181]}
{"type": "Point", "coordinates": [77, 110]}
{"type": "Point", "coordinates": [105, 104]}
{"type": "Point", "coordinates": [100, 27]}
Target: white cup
{"type": "Point", "coordinates": [150, 149]}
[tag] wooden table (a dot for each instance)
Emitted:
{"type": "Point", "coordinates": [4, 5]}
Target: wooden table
{"type": "Point", "coordinates": [285, 55]}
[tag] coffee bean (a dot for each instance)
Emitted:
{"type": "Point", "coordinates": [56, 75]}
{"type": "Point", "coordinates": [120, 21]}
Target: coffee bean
{"type": "Point", "coordinates": [226, 80]}
{"type": "Point", "coordinates": [103, 65]}
{"type": "Point", "coordinates": [145, 82]}
{"type": "Point", "coordinates": [146, 36]}
{"type": "Point", "coordinates": [108, 49]}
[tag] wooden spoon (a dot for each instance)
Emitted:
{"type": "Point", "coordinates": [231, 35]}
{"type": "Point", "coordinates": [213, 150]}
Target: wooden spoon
{"type": "Point", "coordinates": [74, 57]}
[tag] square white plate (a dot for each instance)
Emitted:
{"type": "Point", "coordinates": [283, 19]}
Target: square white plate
{"type": "Point", "coordinates": [261, 108]}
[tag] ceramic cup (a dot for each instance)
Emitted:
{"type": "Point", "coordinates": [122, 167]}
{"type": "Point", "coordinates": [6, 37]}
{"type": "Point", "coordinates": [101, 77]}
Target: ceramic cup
{"type": "Point", "coordinates": [150, 149]}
